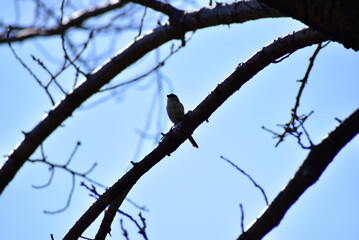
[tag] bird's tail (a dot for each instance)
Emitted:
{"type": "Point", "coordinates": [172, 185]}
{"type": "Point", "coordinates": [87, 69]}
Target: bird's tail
{"type": "Point", "coordinates": [193, 142]}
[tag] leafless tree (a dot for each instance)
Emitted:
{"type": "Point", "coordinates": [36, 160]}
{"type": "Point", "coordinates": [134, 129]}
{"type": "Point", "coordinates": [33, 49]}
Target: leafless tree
{"type": "Point", "coordinates": [65, 18]}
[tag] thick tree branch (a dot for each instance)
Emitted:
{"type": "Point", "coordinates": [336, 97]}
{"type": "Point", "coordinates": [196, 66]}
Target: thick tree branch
{"type": "Point", "coordinates": [159, 6]}
{"type": "Point", "coordinates": [222, 14]}
{"type": "Point", "coordinates": [312, 168]}
{"type": "Point", "coordinates": [339, 19]}
{"type": "Point", "coordinates": [75, 20]}
{"type": "Point", "coordinates": [173, 139]}
{"type": "Point", "coordinates": [105, 227]}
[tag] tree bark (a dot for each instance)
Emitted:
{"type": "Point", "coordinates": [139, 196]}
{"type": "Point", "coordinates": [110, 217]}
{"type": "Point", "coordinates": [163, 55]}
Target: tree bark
{"type": "Point", "coordinates": [338, 19]}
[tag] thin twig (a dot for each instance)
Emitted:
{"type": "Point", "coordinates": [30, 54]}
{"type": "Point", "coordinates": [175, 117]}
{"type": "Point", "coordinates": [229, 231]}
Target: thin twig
{"type": "Point", "coordinates": [141, 24]}
{"type": "Point", "coordinates": [249, 177]}
{"type": "Point", "coordinates": [304, 80]}
{"type": "Point", "coordinates": [29, 69]}
{"type": "Point", "coordinates": [296, 121]}
{"type": "Point", "coordinates": [69, 198]}
{"type": "Point", "coordinates": [242, 216]}
{"type": "Point", "coordinates": [141, 229]}
{"type": "Point", "coordinates": [76, 20]}
{"type": "Point", "coordinates": [63, 42]}
{"type": "Point", "coordinates": [154, 69]}
{"type": "Point", "coordinates": [74, 174]}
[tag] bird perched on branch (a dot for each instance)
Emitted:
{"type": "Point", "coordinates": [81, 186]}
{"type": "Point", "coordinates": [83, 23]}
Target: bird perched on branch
{"type": "Point", "coordinates": [175, 111]}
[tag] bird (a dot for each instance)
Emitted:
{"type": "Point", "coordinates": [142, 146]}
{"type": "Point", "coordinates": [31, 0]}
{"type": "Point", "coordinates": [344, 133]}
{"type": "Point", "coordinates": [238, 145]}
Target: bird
{"type": "Point", "coordinates": [175, 112]}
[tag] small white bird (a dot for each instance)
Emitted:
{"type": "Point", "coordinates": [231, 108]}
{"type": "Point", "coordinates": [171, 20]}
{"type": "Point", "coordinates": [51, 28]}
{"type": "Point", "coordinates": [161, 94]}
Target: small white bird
{"type": "Point", "coordinates": [175, 111]}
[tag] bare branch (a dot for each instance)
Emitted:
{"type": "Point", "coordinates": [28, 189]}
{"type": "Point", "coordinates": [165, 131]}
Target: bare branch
{"type": "Point", "coordinates": [29, 69]}
{"type": "Point", "coordinates": [63, 43]}
{"type": "Point", "coordinates": [68, 198]}
{"type": "Point", "coordinates": [109, 216]}
{"type": "Point", "coordinates": [53, 77]}
{"type": "Point", "coordinates": [158, 65]}
{"type": "Point", "coordinates": [76, 20]}
{"type": "Point", "coordinates": [141, 229]}
{"type": "Point", "coordinates": [73, 173]}
{"type": "Point", "coordinates": [136, 205]}
{"type": "Point", "coordinates": [231, 13]}
{"type": "Point", "coordinates": [337, 19]}
{"type": "Point", "coordinates": [249, 177]}
{"type": "Point", "coordinates": [124, 231]}
{"type": "Point", "coordinates": [242, 217]}
{"type": "Point", "coordinates": [306, 76]}
{"type": "Point", "coordinates": [65, 167]}
{"type": "Point", "coordinates": [172, 140]}
{"type": "Point", "coordinates": [308, 173]}
{"type": "Point", "coordinates": [141, 24]}
{"type": "Point", "coordinates": [296, 121]}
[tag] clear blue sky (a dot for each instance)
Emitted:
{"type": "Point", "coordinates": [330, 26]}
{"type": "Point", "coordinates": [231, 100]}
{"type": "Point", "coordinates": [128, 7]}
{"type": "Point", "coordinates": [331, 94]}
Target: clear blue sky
{"type": "Point", "coordinates": [193, 194]}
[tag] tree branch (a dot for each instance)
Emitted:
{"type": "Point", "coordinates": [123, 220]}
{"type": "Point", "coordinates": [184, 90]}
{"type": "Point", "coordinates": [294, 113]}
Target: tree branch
{"type": "Point", "coordinates": [338, 19]}
{"type": "Point", "coordinates": [75, 20]}
{"type": "Point", "coordinates": [249, 177]}
{"type": "Point", "coordinates": [159, 6]}
{"type": "Point", "coordinates": [312, 168]}
{"type": "Point", "coordinates": [296, 122]}
{"type": "Point", "coordinates": [173, 139]}
{"type": "Point", "coordinates": [109, 216]}
{"type": "Point", "coordinates": [230, 13]}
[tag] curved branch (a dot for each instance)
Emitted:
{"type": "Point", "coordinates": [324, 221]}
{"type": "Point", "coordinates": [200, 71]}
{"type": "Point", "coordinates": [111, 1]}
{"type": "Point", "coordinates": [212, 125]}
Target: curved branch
{"type": "Point", "coordinates": [75, 20]}
{"type": "Point", "coordinates": [312, 168]}
{"type": "Point", "coordinates": [173, 139]}
{"type": "Point", "coordinates": [222, 14]}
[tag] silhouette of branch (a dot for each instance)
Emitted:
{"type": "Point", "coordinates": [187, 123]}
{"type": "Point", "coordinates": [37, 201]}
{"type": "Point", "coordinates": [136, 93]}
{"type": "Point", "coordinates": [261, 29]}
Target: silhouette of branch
{"type": "Point", "coordinates": [93, 191]}
{"type": "Point", "coordinates": [242, 217]}
{"type": "Point", "coordinates": [304, 80]}
{"type": "Point", "coordinates": [63, 44]}
{"type": "Point", "coordinates": [249, 177]}
{"type": "Point", "coordinates": [176, 136]}
{"type": "Point", "coordinates": [76, 20]}
{"type": "Point", "coordinates": [124, 231]}
{"type": "Point", "coordinates": [201, 18]}
{"type": "Point", "coordinates": [158, 65]}
{"type": "Point", "coordinates": [69, 198]}
{"type": "Point", "coordinates": [141, 24]}
{"type": "Point", "coordinates": [308, 173]}
{"type": "Point", "coordinates": [96, 195]}
{"type": "Point", "coordinates": [105, 226]}
{"type": "Point", "coordinates": [292, 128]}
{"type": "Point", "coordinates": [141, 227]}
{"type": "Point", "coordinates": [46, 88]}
{"type": "Point", "coordinates": [74, 174]}
{"type": "Point", "coordinates": [296, 122]}
{"type": "Point", "coordinates": [109, 216]}
{"type": "Point", "coordinates": [53, 76]}
{"type": "Point", "coordinates": [136, 205]}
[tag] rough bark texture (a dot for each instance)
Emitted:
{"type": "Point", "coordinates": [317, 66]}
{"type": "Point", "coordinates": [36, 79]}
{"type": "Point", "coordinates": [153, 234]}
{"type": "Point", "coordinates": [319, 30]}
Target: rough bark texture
{"type": "Point", "coordinates": [338, 19]}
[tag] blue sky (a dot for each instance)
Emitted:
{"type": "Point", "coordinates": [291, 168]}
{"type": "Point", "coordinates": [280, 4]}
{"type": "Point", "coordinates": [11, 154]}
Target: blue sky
{"type": "Point", "coordinates": [193, 194]}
